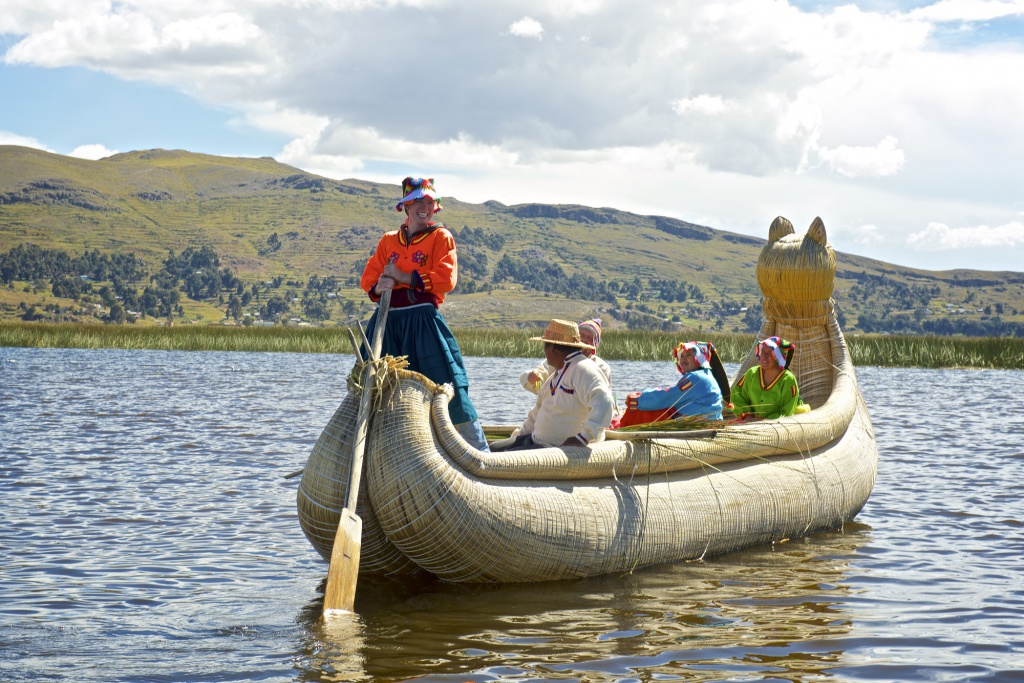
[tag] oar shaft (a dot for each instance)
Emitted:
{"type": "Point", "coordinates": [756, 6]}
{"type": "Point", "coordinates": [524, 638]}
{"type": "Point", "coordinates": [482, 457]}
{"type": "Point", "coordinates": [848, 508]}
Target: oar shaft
{"type": "Point", "coordinates": [352, 338]}
{"type": "Point", "coordinates": [363, 419]}
{"type": "Point", "coordinates": [362, 335]}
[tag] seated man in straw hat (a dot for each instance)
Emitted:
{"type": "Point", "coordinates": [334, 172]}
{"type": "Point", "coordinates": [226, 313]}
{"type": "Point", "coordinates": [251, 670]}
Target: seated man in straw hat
{"type": "Point", "coordinates": [590, 333]}
{"type": "Point", "coordinates": [574, 405]}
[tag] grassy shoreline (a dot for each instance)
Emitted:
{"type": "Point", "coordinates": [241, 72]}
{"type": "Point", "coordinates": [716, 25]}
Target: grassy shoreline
{"type": "Point", "coordinates": [877, 350]}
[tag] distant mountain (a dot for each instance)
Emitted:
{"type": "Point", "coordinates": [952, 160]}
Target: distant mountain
{"type": "Point", "coordinates": [520, 264]}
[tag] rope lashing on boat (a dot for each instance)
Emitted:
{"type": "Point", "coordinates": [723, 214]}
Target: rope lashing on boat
{"type": "Point", "coordinates": [646, 512]}
{"type": "Point", "coordinates": [385, 377]}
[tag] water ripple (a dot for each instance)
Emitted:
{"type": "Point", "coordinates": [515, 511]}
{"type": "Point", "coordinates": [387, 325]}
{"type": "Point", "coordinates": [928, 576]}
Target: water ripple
{"type": "Point", "coordinates": [147, 533]}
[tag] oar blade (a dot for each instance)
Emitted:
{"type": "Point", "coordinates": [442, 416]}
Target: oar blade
{"type": "Point", "coordinates": [343, 573]}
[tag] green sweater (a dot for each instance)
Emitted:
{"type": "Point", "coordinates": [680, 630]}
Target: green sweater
{"type": "Point", "coordinates": [778, 399]}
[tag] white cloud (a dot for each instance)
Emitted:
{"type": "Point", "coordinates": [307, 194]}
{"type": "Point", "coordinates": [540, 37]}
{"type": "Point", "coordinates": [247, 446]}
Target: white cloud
{"type": "Point", "coordinates": [968, 10]}
{"type": "Point", "coordinates": [797, 107]}
{"type": "Point", "coordinates": [527, 28]}
{"type": "Point", "coordinates": [270, 117]}
{"type": "Point", "coordinates": [360, 5]}
{"type": "Point", "coordinates": [575, 8]}
{"type": "Point", "coordinates": [302, 153]}
{"type": "Point", "coordinates": [228, 28]}
{"type": "Point", "coordinates": [701, 104]}
{"type": "Point", "coordinates": [940, 237]}
{"type": "Point", "coordinates": [133, 40]}
{"type": "Point", "coordinates": [868, 235]}
{"type": "Point", "coordinates": [7, 138]}
{"type": "Point", "coordinates": [773, 82]}
{"type": "Point", "coordinates": [884, 159]}
{"type": "Point", "coordinates": [316, 151]}
{"type": "Point", "coordinates": [92, 152]}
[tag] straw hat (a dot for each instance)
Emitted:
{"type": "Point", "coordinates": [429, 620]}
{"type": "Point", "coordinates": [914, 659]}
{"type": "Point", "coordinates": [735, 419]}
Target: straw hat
{"type": "Point", "coordinates": [563, 333]}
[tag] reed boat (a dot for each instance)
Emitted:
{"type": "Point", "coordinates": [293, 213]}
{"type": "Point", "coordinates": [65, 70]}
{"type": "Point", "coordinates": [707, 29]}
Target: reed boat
{"type": "Point", "coordinates": [432, 503]}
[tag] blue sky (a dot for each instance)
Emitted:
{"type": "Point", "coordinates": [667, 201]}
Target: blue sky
{"type": "Point", "coordinates": [899, 123]}
{"type": "Point", "coordinates": [67, 106]}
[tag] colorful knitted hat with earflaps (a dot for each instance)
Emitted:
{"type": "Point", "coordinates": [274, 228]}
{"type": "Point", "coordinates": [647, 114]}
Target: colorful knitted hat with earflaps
{"type": "Point", "coordinates": [701, 353]}
{"type": "Point", "coordinates": [782, 349]}
{"type": "Point", "coordinates": [415, 188]}
{"type": "Point", "coordinates": [595, 329]}
{"type": "Point", "coordinates": [707, 357]}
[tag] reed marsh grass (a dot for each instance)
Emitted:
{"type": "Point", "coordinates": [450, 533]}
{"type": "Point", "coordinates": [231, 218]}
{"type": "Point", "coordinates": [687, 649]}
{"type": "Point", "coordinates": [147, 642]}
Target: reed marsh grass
{"type": "Point", "coordinates": [640, 345]}
{"type": "Point", "coordinates": [1005, 353]}
{"type": "Point", "coordinates": [182, 338]}
{"type": "Point", "coordinates": [877, 350]}
{"type": "Point", "coordinates": [618, 345]}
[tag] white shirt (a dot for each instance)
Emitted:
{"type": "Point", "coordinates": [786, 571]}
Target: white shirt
{"type": "Point", "coordinates": [574, 401]}
{"type": "Point", "coordinates": [544, 371]}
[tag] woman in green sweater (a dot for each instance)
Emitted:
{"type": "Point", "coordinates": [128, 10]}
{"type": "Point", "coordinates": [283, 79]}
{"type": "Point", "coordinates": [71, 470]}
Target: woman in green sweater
{"type": "Point", "coordinates": [769, 390]}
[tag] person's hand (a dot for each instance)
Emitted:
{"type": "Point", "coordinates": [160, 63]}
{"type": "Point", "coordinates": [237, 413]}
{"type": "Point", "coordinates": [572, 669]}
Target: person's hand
{"type": "Point", "coordinates": [533, 377]}
{"type": "Point", "coordinates": [573, 441]}
{"type": "Point", "coordinates": [397, 274]}
{"type": "Point", "coordinates": [384, 284]}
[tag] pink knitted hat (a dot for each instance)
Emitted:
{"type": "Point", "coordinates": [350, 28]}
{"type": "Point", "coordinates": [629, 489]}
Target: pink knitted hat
{"type": "Point", "coordinates": [595, 329]}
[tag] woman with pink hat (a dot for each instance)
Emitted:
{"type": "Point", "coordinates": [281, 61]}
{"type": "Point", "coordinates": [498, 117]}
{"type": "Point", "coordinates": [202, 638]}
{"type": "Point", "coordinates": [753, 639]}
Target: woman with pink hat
{"type": "Point", "coordinates": [574, 405]}
{"type": "Point", "coordinates": [702, 389]}
{"type": "Point", "coordinates": [769, 390]}
{"type": "Point", "coordinates": [418, 264]}
{"type": "Point", "coordinates": [590, 333]}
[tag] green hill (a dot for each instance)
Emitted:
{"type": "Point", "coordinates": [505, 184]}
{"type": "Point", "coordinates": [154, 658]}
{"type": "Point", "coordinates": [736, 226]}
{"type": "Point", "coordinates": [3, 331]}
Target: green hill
{"type": "Point", "coordinates": [269, 222]}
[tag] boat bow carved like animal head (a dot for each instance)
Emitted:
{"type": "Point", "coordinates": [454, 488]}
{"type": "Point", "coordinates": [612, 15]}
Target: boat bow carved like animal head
{"type": "Point", "coordinates": [797, 275]}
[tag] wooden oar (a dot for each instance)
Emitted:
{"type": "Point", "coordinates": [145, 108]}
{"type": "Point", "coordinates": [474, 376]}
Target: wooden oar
{"type": "Point", "coordinates": [343, 573]}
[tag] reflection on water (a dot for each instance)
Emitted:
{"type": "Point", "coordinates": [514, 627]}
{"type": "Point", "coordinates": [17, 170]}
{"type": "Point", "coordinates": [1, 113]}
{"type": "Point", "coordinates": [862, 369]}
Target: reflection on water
{"type": "Point", "coordinates": [768, 610]}
{"type": "Point", "coordinates": [147, 534]}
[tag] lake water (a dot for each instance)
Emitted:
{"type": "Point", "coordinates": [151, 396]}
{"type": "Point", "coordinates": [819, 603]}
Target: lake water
{"type": "Point", "coordinates": [147, 533]}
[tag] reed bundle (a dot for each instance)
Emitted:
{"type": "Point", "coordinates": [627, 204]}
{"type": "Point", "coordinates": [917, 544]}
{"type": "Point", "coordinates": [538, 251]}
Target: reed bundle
{"type": "Point", "coordinates": [686, 423]}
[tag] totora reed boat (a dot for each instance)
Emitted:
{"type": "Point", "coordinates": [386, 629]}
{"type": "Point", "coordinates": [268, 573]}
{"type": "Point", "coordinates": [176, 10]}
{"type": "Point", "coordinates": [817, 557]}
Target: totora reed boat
{"type": "Point", "coordinates": [432, 503]}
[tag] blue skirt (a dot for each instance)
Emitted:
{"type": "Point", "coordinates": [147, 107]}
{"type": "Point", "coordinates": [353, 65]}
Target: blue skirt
{"type": "Point", "coordinates": [421, 333]}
